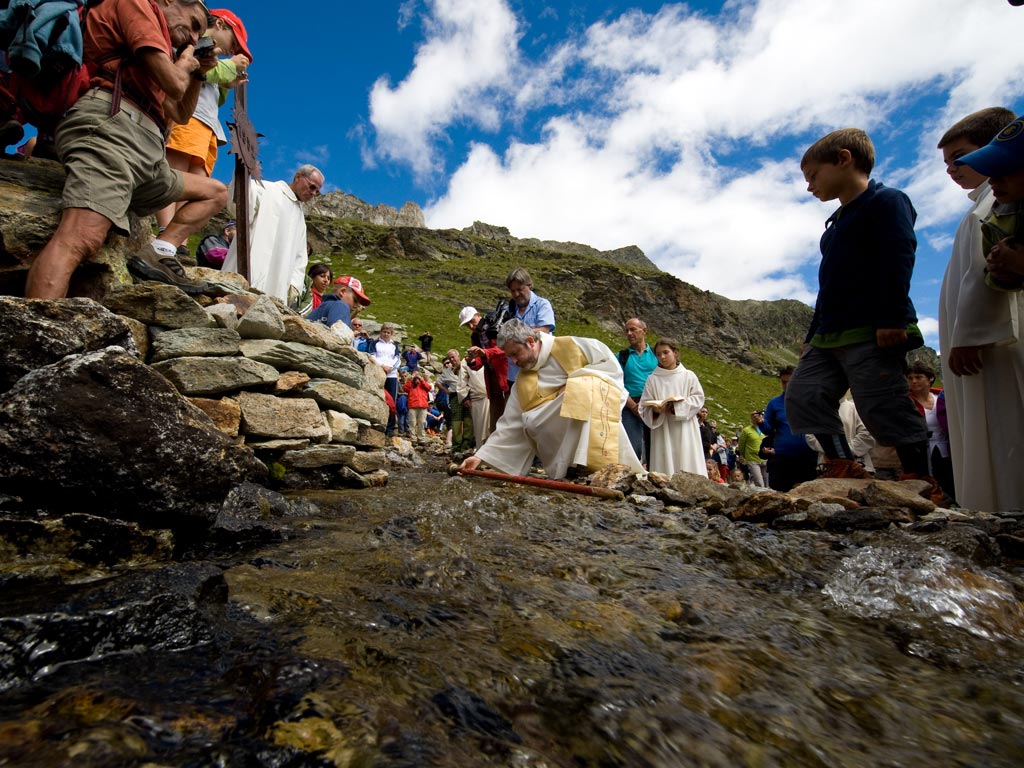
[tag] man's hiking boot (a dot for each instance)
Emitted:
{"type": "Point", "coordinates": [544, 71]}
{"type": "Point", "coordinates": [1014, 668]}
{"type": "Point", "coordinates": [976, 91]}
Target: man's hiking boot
{"type": "Point", "coordinates": [150, 265]}
{"type": "Point", "coordinates": [845, 469]}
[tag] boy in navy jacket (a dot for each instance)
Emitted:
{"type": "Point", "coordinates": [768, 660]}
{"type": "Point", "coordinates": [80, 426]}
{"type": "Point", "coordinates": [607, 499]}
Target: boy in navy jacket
{"type": "Point", "coordinates": [864, 321]}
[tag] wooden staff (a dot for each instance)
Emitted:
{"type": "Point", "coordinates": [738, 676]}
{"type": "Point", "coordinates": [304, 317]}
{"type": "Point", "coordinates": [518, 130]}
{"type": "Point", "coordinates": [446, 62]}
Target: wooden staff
{"type": "Point", "coordinates": [538, 482]}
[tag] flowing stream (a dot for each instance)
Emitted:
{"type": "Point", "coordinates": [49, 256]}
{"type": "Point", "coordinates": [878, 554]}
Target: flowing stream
{"type": "Point", "coordinates": [448, 622]}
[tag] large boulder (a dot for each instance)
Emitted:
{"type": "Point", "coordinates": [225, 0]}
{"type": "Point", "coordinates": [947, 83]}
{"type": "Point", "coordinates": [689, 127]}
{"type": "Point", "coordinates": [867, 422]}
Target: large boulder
{"type": "Point", "coordinates": [34, 333]}
{"type": "Point", "coordinates": [345, 366]}
{"type": "Point", "coordinates": [103, 433]}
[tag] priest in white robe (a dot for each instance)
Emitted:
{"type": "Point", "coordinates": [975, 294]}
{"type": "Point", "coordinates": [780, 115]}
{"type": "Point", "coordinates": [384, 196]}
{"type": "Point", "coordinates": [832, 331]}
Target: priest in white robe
{"type": "Point", "coordinates": [676, 444]}
{"type": "Point", "coordinates": [565, 407]}
{"type": "Point", "coordinates": [982, 372]}
{"type": "Point", "coordinates": [277, 234]}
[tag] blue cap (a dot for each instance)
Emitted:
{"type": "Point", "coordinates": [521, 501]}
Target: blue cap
{"type": "Point", "coordinates": [1001, 156]}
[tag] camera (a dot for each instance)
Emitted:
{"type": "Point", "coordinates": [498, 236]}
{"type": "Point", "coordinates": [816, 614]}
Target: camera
{"type": "Point", "coordinates": [204, 48]}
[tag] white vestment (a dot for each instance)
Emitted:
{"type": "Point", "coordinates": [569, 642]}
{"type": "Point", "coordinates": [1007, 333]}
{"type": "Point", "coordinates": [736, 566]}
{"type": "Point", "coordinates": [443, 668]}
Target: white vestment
{"type": "Point", "coordinates": [986, 410]}
{"type": "Point", "coordinates": [567, 418]}
{"type": "Point", "coordinates": [474, 385]}
{"type": "Point", "coordinates": [675, 437]}
{"type": "Point", "coordinates": [277, 240]}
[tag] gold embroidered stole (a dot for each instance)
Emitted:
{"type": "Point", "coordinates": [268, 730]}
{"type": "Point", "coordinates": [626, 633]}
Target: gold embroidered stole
{"type": "Point", "coordinates": [587, 398]}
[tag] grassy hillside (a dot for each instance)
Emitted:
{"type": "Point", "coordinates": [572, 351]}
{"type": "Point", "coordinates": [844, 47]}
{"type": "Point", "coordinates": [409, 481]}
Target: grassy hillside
{"type": "Point", "coordinates": [427, 294]}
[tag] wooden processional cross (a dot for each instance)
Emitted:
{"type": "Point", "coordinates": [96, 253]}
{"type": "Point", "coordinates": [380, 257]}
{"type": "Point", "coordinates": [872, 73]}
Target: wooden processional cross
{"type": "Point", "coordinates": [244, 146]}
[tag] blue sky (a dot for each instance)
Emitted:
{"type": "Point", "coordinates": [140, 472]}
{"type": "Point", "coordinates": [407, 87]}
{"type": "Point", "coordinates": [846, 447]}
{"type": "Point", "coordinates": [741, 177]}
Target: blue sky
{"type": "Point", "coordinates": [675, 127]}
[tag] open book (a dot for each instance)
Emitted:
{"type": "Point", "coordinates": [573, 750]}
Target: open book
{"type": "Point", "coordinates": [663, 403]}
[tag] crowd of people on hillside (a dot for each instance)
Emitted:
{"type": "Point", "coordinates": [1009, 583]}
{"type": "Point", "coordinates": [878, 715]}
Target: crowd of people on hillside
{"type": "Point", "coordinates": [144, 138]}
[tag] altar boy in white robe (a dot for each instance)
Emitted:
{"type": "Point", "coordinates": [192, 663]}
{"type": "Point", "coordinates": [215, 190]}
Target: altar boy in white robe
{"type": "Point", "coordinates": [980, 333]}
{"type": "Point", "coordinates": [565, 407]}
{"type": "Point", "coordinates": [670, 403]}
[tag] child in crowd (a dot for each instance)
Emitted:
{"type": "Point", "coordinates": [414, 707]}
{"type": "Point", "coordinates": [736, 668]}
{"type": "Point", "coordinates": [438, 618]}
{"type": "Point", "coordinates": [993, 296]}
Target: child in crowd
{"type": "Point", "coordinates": [669, 405]}
{"type": "Point", "coordinates": [985, 404]}
{"type": "Point", "coordinates": [417, 388]}
{"type": "Point", "coordinates": [931, 403]}
{"type": "Point", "coordinates": [192, 146]}
{"type": "Point", "coordinates": [864, 321]}
{"type": "Point", "coordinates": [402, 406]}
{"type": "Point", "coordinates": [714, 474]}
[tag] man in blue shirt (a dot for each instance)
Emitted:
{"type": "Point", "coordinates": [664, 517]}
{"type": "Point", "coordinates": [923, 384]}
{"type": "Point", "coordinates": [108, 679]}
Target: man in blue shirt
{"type": "Point", "coordinates": [790, 460]}
{"type": "Point", "coordinates": [637, 362]}
{"type": "Point", "coordinates": [527, 306]}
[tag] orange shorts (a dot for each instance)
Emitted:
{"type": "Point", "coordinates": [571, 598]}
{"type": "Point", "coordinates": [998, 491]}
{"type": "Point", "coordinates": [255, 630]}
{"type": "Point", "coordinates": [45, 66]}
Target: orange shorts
{"type": "Point", "coordinates": [197, 141]}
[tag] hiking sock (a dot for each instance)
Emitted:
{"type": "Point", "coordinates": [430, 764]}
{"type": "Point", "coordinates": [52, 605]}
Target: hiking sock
{"type": "Point", "coordinates": [914, 458]}
{"type": "Point", "coordinates": [164, 248]}
{"type": "Point", "coordinates": [835, 446]}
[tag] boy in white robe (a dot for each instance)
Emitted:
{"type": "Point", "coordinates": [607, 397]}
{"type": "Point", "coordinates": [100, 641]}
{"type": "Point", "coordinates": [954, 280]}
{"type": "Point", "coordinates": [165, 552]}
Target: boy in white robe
{"type": "Point", "coordinates": [676, 445]}
{"type": "Point", "coordinates": [565, 406]}
{"type": "Point", "coordinates": [980, 340]}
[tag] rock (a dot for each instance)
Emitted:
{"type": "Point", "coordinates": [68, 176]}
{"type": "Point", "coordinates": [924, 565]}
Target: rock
{"type": "Point", "coordinates": [197, 376]}
{"type": "Point", "coordinates": [140, 335]}
{"type": "Point", "coordinates": [642, 500]}
{"type": "Point", "coordinates": [255, 512]}
{"type": "Point", "coordinates": [699, 491]}
{"type": "Point", "coordinates": [364, 462]}
{"type": "Point", "coordinates": [289, 382]}
{"type": "Point", "coordinates": [357, 403]}
{"type": "Point", "coordinates": [764, 507]}
{"type": "Point", "coordinates": [106, 430]}
{"type": "Point", "coordinates": [829, 491]}
{"type": "Point", "coordinates": [88, 539]}
{"type": "Point", "coordinates": [889, 493]}
{"type": "Point", "coordinates": [1011, 545]}
{"type": "Point", "coordinates": [224, 315]}
{"type": "Point", "coordinates": [158, 304]}
{"type": "Point", "coordinates": [240, 301]}
{"type": "Point", "coordinates": [860, 519]}
{"type": "Point", "coordinates": [402, 447]}
{"type": "Point", "coordinates": [261, 321]}
{"type": "Point", "coordinates": [34, 333]}
{"type": "Point", "coordinates": [659, 480]}
{"type": "Point", "coordinates": [278, 417]}
{"type": "Point", "coordinates": [370, 437]}
{"type": "Point", "coordinates": [317, 335]}
{"type": "Point", "coordinates": [225, 413]}
{"type": "Point", "coordinates": [319, 363]}
{"type": "Point", "coordinates": [294, 444]}
{"type": "Point", "coordinates": [349, 478]}
{"type": "Point", "coordinates": [643, 485]}
{"type": "Point", "coordinates": [967, 541]}
{"type": "Point", "coordinates": [344, 429]}
{"type": "Point", "coordinates": [195, 342]}
{"type": "Point", "coordinates": [617, 477]}
{"type": "Point", "coordinates": [318, 456]}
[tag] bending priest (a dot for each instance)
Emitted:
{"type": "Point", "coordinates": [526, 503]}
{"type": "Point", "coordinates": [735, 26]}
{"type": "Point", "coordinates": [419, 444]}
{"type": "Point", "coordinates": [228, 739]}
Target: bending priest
{"type": "Point", "coordinates": [565, 407]}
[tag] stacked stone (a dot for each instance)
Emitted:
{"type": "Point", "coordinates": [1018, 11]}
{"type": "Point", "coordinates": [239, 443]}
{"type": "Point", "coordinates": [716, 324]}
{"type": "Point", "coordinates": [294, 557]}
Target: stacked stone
{"type": "Point", "coordinates": [309, 405]}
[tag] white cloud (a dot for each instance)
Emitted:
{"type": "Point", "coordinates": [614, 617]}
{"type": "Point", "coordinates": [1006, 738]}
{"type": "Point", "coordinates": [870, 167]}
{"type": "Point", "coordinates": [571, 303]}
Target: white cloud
{"type": "Point", "coordinates": [930, 330]}
{"type": "Point", "coordinates": [681, 132]}
{"type": "Point", "coordinates": [468, 57]}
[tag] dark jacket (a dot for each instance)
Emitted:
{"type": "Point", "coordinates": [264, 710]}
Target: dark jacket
{"type": "Point", "coordinates": [867, 258]}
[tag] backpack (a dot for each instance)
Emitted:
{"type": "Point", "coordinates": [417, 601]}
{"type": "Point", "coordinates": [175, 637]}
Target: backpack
{"type": "Point", "coordinates": [42, 41]}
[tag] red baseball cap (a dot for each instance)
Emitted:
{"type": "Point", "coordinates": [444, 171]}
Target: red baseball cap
{"type": "Point", "coordinates": [356, 286]}
{"type": "Point", "coordinates": [237, 27]}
